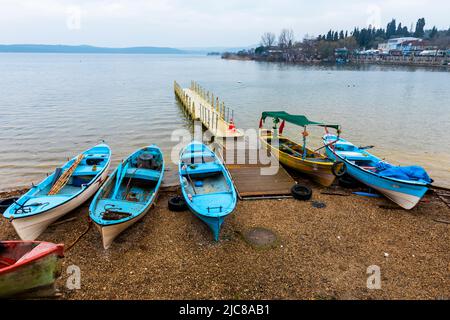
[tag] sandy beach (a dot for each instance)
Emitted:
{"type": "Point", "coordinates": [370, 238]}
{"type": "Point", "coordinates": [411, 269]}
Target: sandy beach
{"type": "Point", "coordinates": [319, 253]}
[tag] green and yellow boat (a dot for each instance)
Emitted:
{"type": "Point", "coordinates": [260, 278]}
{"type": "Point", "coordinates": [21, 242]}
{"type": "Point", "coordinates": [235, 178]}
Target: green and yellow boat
{"type": "Point", "coordinates": [292, 154]}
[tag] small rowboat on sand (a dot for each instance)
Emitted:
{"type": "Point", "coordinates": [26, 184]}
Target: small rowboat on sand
{"type": "Point", "coordinates": [292, 154]}
{"type": "Point", "coordinates": [128, 194]}
{"type": "Point", "coordinates": [206, 186]}
{"type": "Point", "coordinates": [64, 190]}
{"type": "Point", "coordinates": [28, 266]}
{"type": "Point", "coordinates": [403, 185]}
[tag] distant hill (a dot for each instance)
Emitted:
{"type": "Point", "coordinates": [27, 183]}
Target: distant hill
{"type": "Point", "coordinates": [206, 50]}
{"type": "Point", "coordinates": [39, 48]}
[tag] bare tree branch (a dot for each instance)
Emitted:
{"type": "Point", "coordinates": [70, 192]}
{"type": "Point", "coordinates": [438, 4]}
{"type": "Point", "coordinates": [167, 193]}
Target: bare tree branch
{"type": "Point", "coordinates": [268, 39]}
{"type": "Point", "coordinates": [286, 38]}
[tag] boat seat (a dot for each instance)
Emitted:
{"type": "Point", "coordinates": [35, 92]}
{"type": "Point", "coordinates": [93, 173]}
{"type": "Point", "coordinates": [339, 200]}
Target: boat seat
{"type": "Point", "coordinates": [186, 157]}
{"type": "Point", "coordinates": [353, 156]}
{"type": "Point", "coordinates": [96, 155]}
{"type": "Point", "coordinates": [40, 248]}
{"type": "Point", "coordinates": [84, 170]}
{"type": "Point", "coordinates": [210, 167]}
{"type": "Point", "coordinates": [141, 173]}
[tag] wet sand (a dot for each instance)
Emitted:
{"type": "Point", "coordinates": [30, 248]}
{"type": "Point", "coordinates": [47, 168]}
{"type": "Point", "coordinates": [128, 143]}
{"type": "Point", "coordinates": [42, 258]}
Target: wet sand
{"type": "Point", "coordinates": [320, 253]}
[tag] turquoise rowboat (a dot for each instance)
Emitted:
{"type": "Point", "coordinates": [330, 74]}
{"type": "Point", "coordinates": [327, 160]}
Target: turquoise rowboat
{"type": "Point", "coordinates": [128, 194]}
{"type": "Point", "coordinates": [27, 266]}
{"type": "Point", "coordinates": [206, 186]}
{"type": "Point", "coordinates": [403, 185]}
{"type": "Point", "coordinates": [62, 191]}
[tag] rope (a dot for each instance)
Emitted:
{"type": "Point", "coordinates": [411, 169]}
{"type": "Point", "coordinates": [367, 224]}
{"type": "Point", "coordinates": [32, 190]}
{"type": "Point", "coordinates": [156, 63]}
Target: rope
{"type": "Point", "coordinates": [80, 236]}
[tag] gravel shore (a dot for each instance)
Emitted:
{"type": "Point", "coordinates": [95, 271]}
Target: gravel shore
{"type": "Point", "coordinates": [321, 253]}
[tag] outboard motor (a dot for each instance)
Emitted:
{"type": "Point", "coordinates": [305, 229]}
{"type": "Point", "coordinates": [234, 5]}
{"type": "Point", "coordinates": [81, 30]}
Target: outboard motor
{"type": "Point", "coordinates": [147, 161]}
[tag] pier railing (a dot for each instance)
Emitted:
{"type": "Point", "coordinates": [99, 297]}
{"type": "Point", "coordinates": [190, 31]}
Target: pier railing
{"type": "Point", "coordinates": [204, 106]}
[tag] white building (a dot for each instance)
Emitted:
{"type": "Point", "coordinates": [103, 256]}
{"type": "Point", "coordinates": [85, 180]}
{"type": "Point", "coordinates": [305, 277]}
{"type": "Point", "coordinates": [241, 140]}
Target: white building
{"type": "Point", "coordinates": [396, 43]}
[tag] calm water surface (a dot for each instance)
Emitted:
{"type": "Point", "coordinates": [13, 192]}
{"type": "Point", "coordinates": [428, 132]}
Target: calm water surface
{"type": "Point", "coordinates": [52, 106]}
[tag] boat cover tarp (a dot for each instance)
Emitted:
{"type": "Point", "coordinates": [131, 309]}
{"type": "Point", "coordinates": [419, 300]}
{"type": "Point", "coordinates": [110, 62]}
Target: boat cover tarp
{"type": "Point", "coordinates": [299, 120]}
{"type": "Point", "coordinates": [414, 173]}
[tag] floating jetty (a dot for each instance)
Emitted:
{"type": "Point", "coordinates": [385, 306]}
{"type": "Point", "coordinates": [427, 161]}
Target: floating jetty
{"type": "Point", "coordinates": [202, 105]}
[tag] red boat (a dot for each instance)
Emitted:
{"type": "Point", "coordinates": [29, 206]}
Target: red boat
{"type": "Point", "coordinates": [28, 266]}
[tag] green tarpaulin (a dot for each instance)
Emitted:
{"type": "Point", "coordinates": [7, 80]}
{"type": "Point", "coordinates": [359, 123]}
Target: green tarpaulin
{"type": "Point", "coordinates": [296, 119]}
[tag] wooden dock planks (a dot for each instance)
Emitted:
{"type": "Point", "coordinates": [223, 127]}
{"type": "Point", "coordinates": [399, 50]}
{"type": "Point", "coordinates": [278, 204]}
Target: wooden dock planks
{"type": "Point", "coordinates": [248, 178]}
{"type": "Point", "coordinates": [250, 183]}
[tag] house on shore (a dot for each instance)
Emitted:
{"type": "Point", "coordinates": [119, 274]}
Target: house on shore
{"type": "Point", "coordinates": [398, 44]}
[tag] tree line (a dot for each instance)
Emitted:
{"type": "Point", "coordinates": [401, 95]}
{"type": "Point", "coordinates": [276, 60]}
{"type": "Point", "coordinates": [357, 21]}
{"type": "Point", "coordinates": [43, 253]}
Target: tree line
{"type": "Point", "coordinates": [364, 38]}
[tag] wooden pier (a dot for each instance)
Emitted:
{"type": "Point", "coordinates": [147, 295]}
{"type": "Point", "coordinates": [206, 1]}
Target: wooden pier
{"type": "Point", "coordinates": [252, 176]}
{"type": "Point", "coordinates": [250, 173]}
{"type": "Point", "coordinates": [204, 106]}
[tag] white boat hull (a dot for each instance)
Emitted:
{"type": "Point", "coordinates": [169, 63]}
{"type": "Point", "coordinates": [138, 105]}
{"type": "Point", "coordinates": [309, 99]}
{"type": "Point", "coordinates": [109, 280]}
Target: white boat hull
{"type": "Point", "coordinates": [30, 228]}
{"type": "Point", "coordinates": [404, 200]}
{"type": "Point", "coordinates": [111, 232]}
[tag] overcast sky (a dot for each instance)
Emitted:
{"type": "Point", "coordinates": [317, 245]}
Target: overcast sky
{"type": "Point", "coordinates": [198, 23]}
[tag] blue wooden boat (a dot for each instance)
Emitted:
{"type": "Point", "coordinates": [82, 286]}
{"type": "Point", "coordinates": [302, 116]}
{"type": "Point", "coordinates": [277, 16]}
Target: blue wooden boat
{"type": "Point", "coordinates": [206, 186]}
{"type": "Point", "coordinates": [62, 191]}
{"type": "Point", "coordinates": [128, 194]}
{"type": "Point", "coordinates": [403, 185]}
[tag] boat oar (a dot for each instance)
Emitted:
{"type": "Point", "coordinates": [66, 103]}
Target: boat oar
{"type": "Point", "coordinates": [366, 147]}
{"type": "Point", "coordinates": [190, 180]}
{"type": "Point", "coordinates": [327, 145]}
{"type": "Point", "coordinates": [129, 180]}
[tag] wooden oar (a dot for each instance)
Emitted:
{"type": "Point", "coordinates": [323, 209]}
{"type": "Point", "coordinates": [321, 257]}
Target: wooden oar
{"type": "Point", "coordinates": [129, 180]}
{"type": "Point", "coordinates": [327, 145]}
{"type": "Point", "coordinates": [190, 180]}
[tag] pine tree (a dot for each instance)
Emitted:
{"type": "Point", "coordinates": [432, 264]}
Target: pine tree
{"type": "Point", "coordinates": [433, 32]}
{"type": "Point", "coordinates": [391, 29]}
{"type": "Point", "coordinates": [420, 26]}
{"type": "Point", "coordinates": [329, 36]}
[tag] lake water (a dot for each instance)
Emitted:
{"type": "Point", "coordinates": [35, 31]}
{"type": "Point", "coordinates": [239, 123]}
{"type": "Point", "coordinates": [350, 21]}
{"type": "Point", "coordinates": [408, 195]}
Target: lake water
{"type": "Point", "coordinates": [52, 106]}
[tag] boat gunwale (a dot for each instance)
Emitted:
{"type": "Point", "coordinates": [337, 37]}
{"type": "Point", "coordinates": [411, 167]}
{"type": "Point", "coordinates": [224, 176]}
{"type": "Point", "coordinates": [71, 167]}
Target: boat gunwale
{"type": "Point", "coordinates": [223, 171]}
{"type": "Point", "coordinates": [410, 182]}
{"type": "Point", "coordinates": [57, 249]}
{"type": "Point", "coordinates": [71, 198]}
{"type": "Point", "coordinates": [325, 165]}
{"type": "Point", "coordinates": [146, 206]}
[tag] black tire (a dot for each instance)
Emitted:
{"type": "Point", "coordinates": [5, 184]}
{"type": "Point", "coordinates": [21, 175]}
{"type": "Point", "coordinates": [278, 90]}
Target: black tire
{"type": "Point", "coordinates": [339, 169]}
{"type": "Point", "coordinates": [348, 182]}
{"type": "Point", "coordinates": [177, 204]}
{"type": "Point", "coordinates": [300, 192]}
{"type": "Point", "coordinates": [5, 203]}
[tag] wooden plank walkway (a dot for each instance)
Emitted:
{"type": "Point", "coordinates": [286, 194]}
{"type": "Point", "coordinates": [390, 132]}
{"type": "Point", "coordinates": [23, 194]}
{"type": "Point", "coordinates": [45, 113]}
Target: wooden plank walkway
{"type": "Point", "coordinates": [247, 171]}
{"type": "Point", "coordinates": [251, 171]}
{"type": "Point", "coordinates": [202, 105]}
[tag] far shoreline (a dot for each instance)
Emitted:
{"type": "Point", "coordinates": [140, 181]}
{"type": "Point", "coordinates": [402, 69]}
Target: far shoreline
{"type": "Point", "coordinates": [348, 64]}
